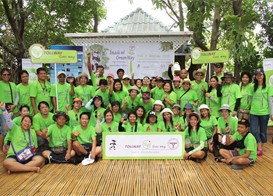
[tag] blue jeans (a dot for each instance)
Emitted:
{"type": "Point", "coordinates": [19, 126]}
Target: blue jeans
{"type": "Point", "coordinates": [259, 122]}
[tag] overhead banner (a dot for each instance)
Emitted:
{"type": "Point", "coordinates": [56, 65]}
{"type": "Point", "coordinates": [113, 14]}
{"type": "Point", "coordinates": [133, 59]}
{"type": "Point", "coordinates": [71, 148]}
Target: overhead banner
{"type": "Point", "coordinates": [216, 56]}
{"type": "Point", "coordinates": [268, 70]}
{"type": "Point", "coordinates": [146, 145]}
{"type": "Point", "coordinates": [140, 59]}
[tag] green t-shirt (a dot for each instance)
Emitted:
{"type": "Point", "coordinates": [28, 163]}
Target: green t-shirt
{"type": "Point", "coordinates": [214, 104]}
{"type": "Point", "coordinates": [94, 116]}
{"type": "Point", "coordinates": [208, 125]}
{"type": "Point", "coordinates": [229, 95]}
{"type": "Point", "coordinates": [41, 92]}
{"type": "Point", "coordinates": [178, 119]}
{"type": "Point", "coordinates": [74, 119]}
{"type": "Point", "coordinates": [17, 120]}
{"type": "Point", "coordinates": [86, 135]}
{"type": "Point", "coordinates": [129, 128]}
{"type": "Point", "coordinates": [232, 124]}
{"type": "Point", "coordinates": [58, 136]}
{"type": "Point", "coordinates": [6, 95]}
{"type": "Point", "coordinates": [250, 144]}
{"type": "Point", "coordinates": [117, 117]}
{"type": "Point", "coordinates": [178, 92]}
{"type": "Point", "coordinates": [64, 96]}
{"type": "Point", "coordinates": [246, 96]}
{"type": "Point", "coordinates": [119, 96]}
{"type": "Point", "coordinates": [198, 90]}
{"type": "Point", "coordinates": [131, 104]}
{"type": "Point", "coordinates": [188, 97]}
{"type": "Point", "coordinates": [158, 93]}
{"type": "Point", "coordinates": [113, 128]}
{"type": "Point", "coordinates": [196, 136]}
{"type": "Point", "coordinates": [147, 106]}
{"type": "Point", "coordinates": [39, 123]}
{"type": "Point", "coordinates": [24, 96]}
{"type": "Point", "coordinates": [105, 96]}
{"type": "Point", "coordinates": [20, 139]}
{"type": "Point", "coordinates": [172, 97]}
{"type": "Point", "coordinates": [259, 104]}
{"type": "Point", "coordinates": [85, 92]}
{"type": "Point", "coordinates": [126, 88]}
{"type": "Point", "coordinates": [152, 127]}
{"type": "Point", "coordinates": [163, 128]}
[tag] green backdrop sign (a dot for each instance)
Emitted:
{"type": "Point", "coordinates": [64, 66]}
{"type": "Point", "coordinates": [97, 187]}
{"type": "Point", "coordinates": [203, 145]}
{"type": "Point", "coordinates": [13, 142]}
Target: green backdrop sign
{"type": "Point", "coordinates": [216, 56]}
{"type": "Point", "coordinates": [40, 55]}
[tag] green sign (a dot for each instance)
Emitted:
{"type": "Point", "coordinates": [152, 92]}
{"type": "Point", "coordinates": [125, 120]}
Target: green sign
{"type": "Point", "coordinates": [216, 56]}
{"type": "Point", "coordinates": [40, 55]}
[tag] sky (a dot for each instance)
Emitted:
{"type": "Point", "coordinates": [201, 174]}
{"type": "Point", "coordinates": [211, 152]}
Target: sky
{"type": "Point", "coordinates": [117, 9]}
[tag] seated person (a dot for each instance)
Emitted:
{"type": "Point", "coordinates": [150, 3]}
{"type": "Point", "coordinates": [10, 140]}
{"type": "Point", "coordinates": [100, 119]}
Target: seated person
{"type": "Point", "coordinates": [245, 152]}
{"type": "Point", "coordinates": [21, 137]}
{"type": "Point", "coordinates": [84, 137]}
{"type": "Point", "coordinates": [60, 144]}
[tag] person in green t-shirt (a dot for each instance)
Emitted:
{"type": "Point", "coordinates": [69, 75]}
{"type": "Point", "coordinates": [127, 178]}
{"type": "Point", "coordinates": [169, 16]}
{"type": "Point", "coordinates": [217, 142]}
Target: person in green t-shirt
{"type": "Point", "coordinates": [170, 97]}
{"type": "Point", "coordinates": [151, 124]}
{"type": "Point", "coordinates": [261, 109]}
{"type": "Point", "coordinates": [218, 69]}
{"type": "Point", "coordinates": [132, 101]}
{"type": "Point", "coordinates": [146, 101]}
{"type": "Point", "coordinates": [158, 91]}
{"type": "Point", "coordinates": [60, 142]}
{"type": "Point", "coordinates": [178, 120]}
{"type": "Point", "coordinates": [213, 96]}
{"type": "Point", "coordinates": [126, 83]}
{"type": "Point", "coordinates": [24, 91]}
{"type": "Point", "coordinates": [200, 86]}
{"type": "Point", "coordinates": [145, 85]}
{"type": "Point", "coordinates": [116, 92]}
{"type": "Point", "coordinates": [130, 125]}
{"type": "Point", "coordinates": [84, 137]}
{"type": "Point", "coordinates": [188, 95]}
{"type": "Point", "coordinates": [167, 125]}
{"type": "Point", "coordinates": [64, 93]}
{"type": "Point", "coordinates": [21, 137]}
{"type": "Point", "coordinates": [188, 109]}
{"type": "Point", "coordinates": [41, 122]}
{"type": "Point", "coordinates": [103, 91]}
{"type": "Point", "coordinates": [97, 108]}
{"type": "Point", "coordinates": [246, 154]}
{"type": "Point", "coordinates": [40, 90]}
{"type": "Point", "coordinates": [176, 86]}
{"type": "Point", "coordinates": [74, 114]}
{"type": "Point", "coordinates": [245, 88]}
{"type": "Point", "coordinates": [140, 112]}
{"type": "Point", "coordinates": [115, 107]}
{"type": "Point", "coordinates": [158, 106]}
{"type": "Point", "coordinates": [195, 140]}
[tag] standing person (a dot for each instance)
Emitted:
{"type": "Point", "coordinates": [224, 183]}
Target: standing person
{"type": "Point", "coordinates": [196, 140]}
{"type": "Point", "coordinates": [75, 112]}
{"type": "Point", "coordinates": [188, 95]}
{"type": "Point", "coordinates": [146, 101]}
{"type": "Point", "coordinates": [22, 137]}
{"type": "Point", "coordinates": [151, 124]}
{"type": "Point", "coordinates": [120, 73]}
{"type": "Point", "coordinates": [24, 91]}
{"type": "Point", "coordinates": [103, 91]}
{"type": "Point", "coordinates": [200, 86]}
{"type": "Point", "coordinates": [140, 112]}
{"type": "Point", "coordinates": [126, 83]}
{"type": "Point", "coordinates": [213, 96]}
{"type": "Point", "coordinates": [261, 109]}
{"type": "Point", "coordinates": [158, 91]}
{"type": "Point", "coordinates": [176, 86]}
{"type": "Point", "coordinates": [131, 125]}
{"type": "Point", "coordinates": [65, 92]}
{"type": "Point", "coordinates": [40, 90]}
{"type": "Point", "coordinates": [170, 97]}
{"type": "Point", "coordinates": [218, 69]}
{"type": "Point", "coordinates": [132, 101]}
{"type": "Point", "coordinates": [115, 107]}
{"type": "Point", "coordinates": [158, 106]}
{"type": "Point", "coordinates": [245, 88]}
{"type": "Point", "coordinates": [9, 96]}
{"type": "Point", "coordinates": [117, 93]}
{"type": "Point", "coordinates": [84, 137]}
{"type": "Point", "coordinates": [145, 84]}
{"type": "Point", "coordinates": [246, 154]}
{"type": "Point", "coordinates": [231, 94]}
{"type": "Point", "coordinates": [83, 90]}
{"type": "Point", "coordinates": [177, 119]}
{"type": "Point", "coordinates": [97, 108]}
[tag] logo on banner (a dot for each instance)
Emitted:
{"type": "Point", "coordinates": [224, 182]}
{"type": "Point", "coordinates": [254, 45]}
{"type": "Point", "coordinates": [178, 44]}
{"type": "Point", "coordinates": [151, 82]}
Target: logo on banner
{"type": "Point", "coordinates": [147, 144]}
{"type": "Point", "coordinates": [113, 145]}
{"type": "Point", "coordinates": [173, 144]}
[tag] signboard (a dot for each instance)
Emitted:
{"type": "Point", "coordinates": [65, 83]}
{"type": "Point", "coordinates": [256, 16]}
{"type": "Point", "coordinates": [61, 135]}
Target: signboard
{"type": "Point", "coordinates": [268, 71]}
{"type": "Point", "coordinates": [216, 56]}
{"type": "Point", "coordinates": [146, 145]}
{"type": "Point", "coordinates": [69, 68]}
{"type": "Point", "coordinates": [30, 68]}
{"type": "Point", "coordinates": [40, 55]}
{"type": "Point", "coordinates": [140, 59]}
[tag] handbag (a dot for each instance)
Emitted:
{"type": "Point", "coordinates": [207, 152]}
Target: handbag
{"type": "Point", "coordinates": [26, 153]}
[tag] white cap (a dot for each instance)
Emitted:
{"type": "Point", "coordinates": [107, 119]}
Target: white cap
{"type": "Point", "coordinates": [203, 106]}
{"type": "Point", "coordinates": [125, 76]}
{"type": "Point", "coordinates": [61, 72]}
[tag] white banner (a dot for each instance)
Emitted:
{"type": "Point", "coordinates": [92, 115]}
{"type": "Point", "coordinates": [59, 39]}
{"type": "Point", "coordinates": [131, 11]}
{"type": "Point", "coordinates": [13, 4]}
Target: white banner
{"type": "Point", "coordinates": [30, 68]}
{"type": "Point", "coordinates": [143, 145]}
{"type": "Point", "coordinates": [142, 59]}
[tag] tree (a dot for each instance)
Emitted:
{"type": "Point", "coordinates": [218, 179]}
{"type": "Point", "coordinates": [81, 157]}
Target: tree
{"type": "Point", "coordinates": [26, 22]}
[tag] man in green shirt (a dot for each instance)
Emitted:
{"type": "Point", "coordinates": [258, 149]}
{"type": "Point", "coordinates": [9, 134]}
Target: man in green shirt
{"type": "Point", "coordinates": [218, 69]}
{"type": "Point", "coordinates": [40, 90]}
{"type": "Point", "coordinates": [158, 92]}
{"type": "Point", "coordinates": [245, 153]}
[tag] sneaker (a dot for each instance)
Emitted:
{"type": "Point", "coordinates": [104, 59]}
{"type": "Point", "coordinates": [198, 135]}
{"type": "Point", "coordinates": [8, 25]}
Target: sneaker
{"type": "Point", "coordinates": [87, 161]}
{"type": "Point", "coordinates": [237, 167]}
{"type": "Point", "coordinates": [260, 152]}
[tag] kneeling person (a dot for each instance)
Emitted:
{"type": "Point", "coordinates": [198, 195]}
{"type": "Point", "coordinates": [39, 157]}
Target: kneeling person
{"type": "Point", "coordinates": [85, 140]}
{"type": "Point", "coordinates": [245, 152]}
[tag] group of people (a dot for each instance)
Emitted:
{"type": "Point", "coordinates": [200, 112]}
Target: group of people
{"type": "Point", "coordinates": [43, 123]}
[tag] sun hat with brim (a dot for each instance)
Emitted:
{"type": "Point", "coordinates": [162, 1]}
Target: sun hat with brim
{"type": "Point", "coordinates": [177, 78]}
{"type": "Point", "coordinates": [134, 88]}
{"type": "Point", "coordinates": [111, 75]}
{"type": "Point", "coordinates": [188, 106]}
{"type": "Point", "coordinates": [259, 71]}
{"type": "Point", "coordinates": [203, 106]}
{"type": "Point", "coordinates": [60, 73]}
{"type": "Point", "coordinates": [77, 99]}
{"type": "Point", "coordinates": [125, 76]}
{"type": "Point", "coordinates": [186, 80]}
{"type": "Point", "coordinates": [228, 75]}
{"type": "Point", "coordinates": [159, 102]}
{"type": "Point", "coordinates": [202, 71]}
{"type": "Point", "coordinates": [70, 75]}
{"type": "Point", "coordinates": [58, 114]}
{"type": "Point", "coordinates": [194, 114]}
{"type": "Point", "coordinates": [166, 110]}
{"type": "Point", "coordinates": [224, 107]}
{"type": "Point", "coordinates": [82, 75]}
